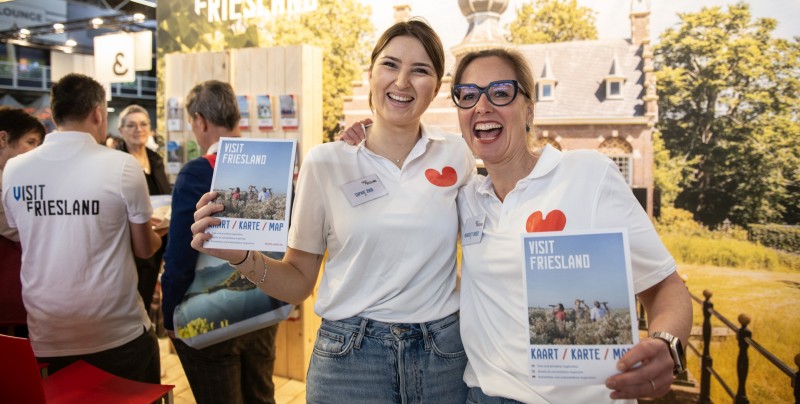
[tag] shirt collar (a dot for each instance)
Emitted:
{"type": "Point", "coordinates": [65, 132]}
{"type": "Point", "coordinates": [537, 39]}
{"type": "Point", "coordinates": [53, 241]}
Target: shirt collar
{"type": "Point", "coordinates": [549, 157]}
{"type": "Point", "coordinates": [429, 133]}
{"type": "Point", "coordinates": [68, 136]}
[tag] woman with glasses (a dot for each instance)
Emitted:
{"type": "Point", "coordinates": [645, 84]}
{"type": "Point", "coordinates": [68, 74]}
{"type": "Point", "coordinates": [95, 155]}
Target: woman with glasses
{"type": "Point", "coordinates": [492, 90]}
{"type": "Point", "coordinates": [134, 126]}
{"type": "Point", "coordinates": [385, 212]}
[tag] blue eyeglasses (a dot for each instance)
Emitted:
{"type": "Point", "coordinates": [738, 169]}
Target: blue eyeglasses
{"type": "Point", "coordinates": [499, 93]}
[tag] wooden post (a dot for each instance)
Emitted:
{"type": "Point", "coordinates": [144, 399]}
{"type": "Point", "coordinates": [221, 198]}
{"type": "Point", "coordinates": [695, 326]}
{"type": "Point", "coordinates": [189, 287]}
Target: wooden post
{"type": "Point", "coordinates": [742, 362]}
{"type": "Point", "coordinates": [642, 317]}
{"type": "Point", "coordinates": [796, 380]}
{"type": "Point", "coordinates": [706, 363]}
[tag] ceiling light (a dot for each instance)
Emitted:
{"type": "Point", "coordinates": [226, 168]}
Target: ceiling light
{"type": "Point", "coordinates": [23, 33]}
{"type": "Point", "coordinates": [70, 42]}
{"type": "Point", "coordinates": [59, 27]}
{"type": "Point", "coordinates": [138, 17]}
{"type": "Point", "coordinates": [97, 22]}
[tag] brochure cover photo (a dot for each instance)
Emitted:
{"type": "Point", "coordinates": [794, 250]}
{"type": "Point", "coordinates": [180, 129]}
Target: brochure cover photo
{"type": "Point", "coordinates": [264, 106]}
{"type": "Point", "coordinates": [581, 309]}
{"type": "Point", "coordinates": [220, 305]}
{"type": "Point", "coordinates": [254, 180]}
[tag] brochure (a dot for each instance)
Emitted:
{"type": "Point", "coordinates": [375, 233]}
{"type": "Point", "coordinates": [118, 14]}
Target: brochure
{"type": "Point", "coordinates": [244, 110]}
{"type": "Point", "coordinates": [289, 119]}
{"type": "Point", "coordinates": [162, 210]}
{"type": "Point", "coordinates": [174, 156]}
{"type": "Point", "coordinates": [254, 180]}
{"type": "Point", "coordinates": [581, 309]}
{"type": "Point", "coordinates": [264, 106]}
{"type": "Point", "coordinates": [174, 115]}
{"type": "Point", "coordinates": [220, 305]}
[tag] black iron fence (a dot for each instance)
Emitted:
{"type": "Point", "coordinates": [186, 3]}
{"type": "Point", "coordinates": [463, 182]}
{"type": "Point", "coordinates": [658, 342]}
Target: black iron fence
{"type": "Point", "coordinates": [744, 336]}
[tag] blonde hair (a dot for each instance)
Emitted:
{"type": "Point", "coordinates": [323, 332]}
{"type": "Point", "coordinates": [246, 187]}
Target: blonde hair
{"type": "Point", "coordinates": [132, 109]}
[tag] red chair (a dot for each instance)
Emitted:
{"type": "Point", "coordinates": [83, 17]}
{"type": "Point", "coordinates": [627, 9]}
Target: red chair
{"type": "Point", "coordinates": [80, 382]}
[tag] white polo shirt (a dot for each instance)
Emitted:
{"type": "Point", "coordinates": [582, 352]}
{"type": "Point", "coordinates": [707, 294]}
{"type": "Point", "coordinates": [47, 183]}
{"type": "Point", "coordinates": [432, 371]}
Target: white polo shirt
{"type": "Point", "coordinates": [588, 188]}
{"type": "Point", "coordinates": [392, 258]}
{"type": "Point", "coordinates": [71, 200]}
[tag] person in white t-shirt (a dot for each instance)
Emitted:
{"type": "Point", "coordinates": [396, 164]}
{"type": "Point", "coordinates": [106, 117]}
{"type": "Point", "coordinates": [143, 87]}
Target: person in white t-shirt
{"type": "Point", "coordinates": [83, 212]}
{"type": "Point", "coordinates": [385, 211]}
{"type": "Point", "coordinates": [575, 190]}
{"type": "Point", "coordinates": [597, 312]}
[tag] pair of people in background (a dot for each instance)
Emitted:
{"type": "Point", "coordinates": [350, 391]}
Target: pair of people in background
{"type": "Point", "coordinates": [387, 295]}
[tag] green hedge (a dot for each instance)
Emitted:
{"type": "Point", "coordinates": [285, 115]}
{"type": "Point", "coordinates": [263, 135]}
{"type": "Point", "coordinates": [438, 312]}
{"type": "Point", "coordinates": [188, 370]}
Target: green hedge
{"type": "Point", "coordinates": [692, 243]}
{"type": "Point", "coordinates": [786, 238]}
{"type": "Point", "coordinates": [728, 252]}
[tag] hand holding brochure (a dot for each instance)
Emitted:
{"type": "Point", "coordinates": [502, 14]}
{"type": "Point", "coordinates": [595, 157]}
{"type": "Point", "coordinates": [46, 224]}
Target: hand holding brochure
{"type": "Point", "coordinates": [254, 180]}
{"type": "Point", "coordinates": [581, 310]}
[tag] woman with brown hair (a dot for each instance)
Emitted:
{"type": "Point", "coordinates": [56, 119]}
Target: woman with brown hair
{"type": "Point", "coordinates": [385, 212]}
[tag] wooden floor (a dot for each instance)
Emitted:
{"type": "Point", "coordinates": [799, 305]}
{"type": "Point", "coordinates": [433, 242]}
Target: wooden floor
{"type": "Point", "coordinates": [287, 391]}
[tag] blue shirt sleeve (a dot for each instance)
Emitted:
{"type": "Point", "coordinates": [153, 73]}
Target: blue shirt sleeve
{"type": "Point", "coordinates": [180, 258]}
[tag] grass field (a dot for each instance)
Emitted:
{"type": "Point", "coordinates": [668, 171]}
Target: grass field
{"type": "Point", "coordinates": [772, 301]}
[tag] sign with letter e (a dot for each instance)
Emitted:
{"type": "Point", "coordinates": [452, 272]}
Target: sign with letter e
{"type": "Point", "coordinates": [114, 58]}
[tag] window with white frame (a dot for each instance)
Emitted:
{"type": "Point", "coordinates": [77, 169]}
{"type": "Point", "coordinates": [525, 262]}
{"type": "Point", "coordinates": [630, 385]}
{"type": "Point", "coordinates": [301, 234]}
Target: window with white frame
{"type": "Point", "coordinates": [624, 165]}
{"type": "Point", "coordinates": [546, 90]}
{"type": "Point", "coordinates": [620, 152]}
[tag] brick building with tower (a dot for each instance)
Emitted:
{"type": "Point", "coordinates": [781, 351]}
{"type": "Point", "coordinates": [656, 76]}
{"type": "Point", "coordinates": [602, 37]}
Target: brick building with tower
{"type": "Point", "coordinates": [597, 94]}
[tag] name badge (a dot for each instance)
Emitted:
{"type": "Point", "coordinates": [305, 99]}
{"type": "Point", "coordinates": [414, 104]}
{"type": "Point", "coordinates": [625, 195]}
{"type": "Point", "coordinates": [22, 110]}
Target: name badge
{"type": "Point", "coordinates": [472, 230]}
{"type": "Point", "coordinates": [364, 190]}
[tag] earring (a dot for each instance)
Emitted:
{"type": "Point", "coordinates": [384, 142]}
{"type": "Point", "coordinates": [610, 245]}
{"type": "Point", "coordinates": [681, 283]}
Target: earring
{"type": "Point", "coordinates": [527, 127]}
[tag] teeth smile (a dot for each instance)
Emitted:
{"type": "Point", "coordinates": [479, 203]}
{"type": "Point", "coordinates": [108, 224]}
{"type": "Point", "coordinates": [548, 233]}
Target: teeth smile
{"type": "Point", "coordinates": [488, 126]}
{"type": "Point", "coordinates": [399, 98]}
{"type": "Point", "coordinates": [487, 131]}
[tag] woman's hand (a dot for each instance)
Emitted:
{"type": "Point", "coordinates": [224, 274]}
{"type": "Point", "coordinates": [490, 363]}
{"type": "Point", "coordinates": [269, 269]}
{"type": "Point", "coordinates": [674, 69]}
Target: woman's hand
{"type": "Point", "coordinates": [203, 218]}
{"type": "Point", "coordinates": [356, 133]}
{"type": "Point", "coordinates": [652, 378]}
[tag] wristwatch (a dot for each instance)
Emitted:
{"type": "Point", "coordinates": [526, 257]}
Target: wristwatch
{"type": "Point", "coordinates": [675, 350]}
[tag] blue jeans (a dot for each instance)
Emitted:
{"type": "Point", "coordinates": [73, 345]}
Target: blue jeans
{"type": "Point", "coordinates": [357, 360]}
{"type": "Point", "coordinates": [476, 396]}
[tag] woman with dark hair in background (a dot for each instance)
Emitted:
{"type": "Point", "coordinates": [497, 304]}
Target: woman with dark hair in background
{"type": "Point", "coordinates": [20, 132]}
{"type": "Point", "coordinates": [134, 126]}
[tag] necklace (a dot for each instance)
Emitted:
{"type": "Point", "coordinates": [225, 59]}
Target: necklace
{"type": "Point", "coordinates": [385, 155]}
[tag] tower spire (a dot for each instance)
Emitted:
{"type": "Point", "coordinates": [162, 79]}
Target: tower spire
{"type": "Point", "coordinates": [484, 30]}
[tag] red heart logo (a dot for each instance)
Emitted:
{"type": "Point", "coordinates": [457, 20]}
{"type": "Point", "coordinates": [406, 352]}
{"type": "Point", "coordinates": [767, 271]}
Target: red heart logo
{"type": "Point", "coordinates": [447, 178]}
{"type": "Point", "coordinates": [554, 221]}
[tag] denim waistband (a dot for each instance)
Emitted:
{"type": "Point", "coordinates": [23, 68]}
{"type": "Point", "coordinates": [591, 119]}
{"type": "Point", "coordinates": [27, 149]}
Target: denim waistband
{"type": "Point", "coordinates": [379, 329]}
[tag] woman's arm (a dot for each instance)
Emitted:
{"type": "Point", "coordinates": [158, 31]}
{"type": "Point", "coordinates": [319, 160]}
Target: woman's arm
{"type": "Point", "coordinates": [291, 280]}
{"type": "Point", "coordinates": [669, 309]}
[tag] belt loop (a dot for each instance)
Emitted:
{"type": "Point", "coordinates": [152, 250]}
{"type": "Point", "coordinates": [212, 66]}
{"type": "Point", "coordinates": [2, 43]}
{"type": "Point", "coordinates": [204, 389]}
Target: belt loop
{"type": "Point", "coordinates": [426, 336]}
{"type": "Point", "coordinates": [362, 329]}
